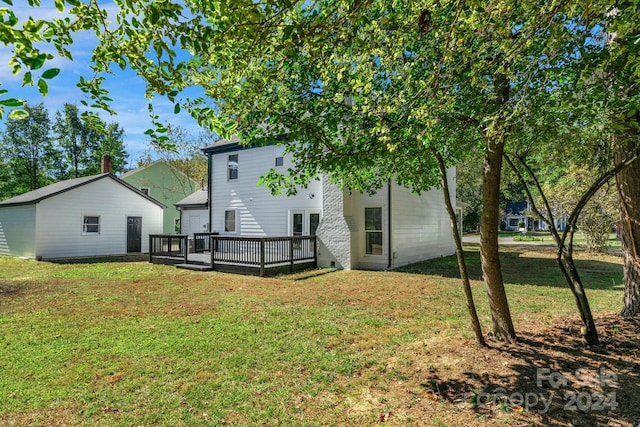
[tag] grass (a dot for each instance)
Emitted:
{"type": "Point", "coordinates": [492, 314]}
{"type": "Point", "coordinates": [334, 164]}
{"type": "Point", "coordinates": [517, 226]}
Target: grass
{"type": "Point", "coordinates": [613, 243]}
{"type": "Point", "coordinates": [131, 343]}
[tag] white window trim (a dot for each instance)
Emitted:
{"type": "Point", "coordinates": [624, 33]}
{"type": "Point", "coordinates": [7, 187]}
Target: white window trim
{"type": "Point", "coordinates": [235, 211]}
{"type": "Point", "coordinates": [306, 223]}
{"type": "Point", "coordinates": [90, 233]}
{"type": "Point", "coordinates": [383, 231]}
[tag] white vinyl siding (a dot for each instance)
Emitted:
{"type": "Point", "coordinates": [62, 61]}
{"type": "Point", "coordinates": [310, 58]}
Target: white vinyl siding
{"type": "Point", "coordinates": [258, 213]}
{"type": "Point", "coordinates": [194, 221]}
{"type": "Point", "coordinates": [421, 228]}
{"type": "Point", "coordinates": [58, 218]}
{"type": "Point", "coordinates": [18, 231]}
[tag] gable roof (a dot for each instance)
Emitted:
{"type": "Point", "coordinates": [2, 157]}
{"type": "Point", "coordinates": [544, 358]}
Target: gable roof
{"type": "Point", "coordinates": [198, 198]}
{"type": "Point", "coordinates": [515, 208]}
{"type": "Point", "coordinates": [159, 161]}
{"type": "Point", "coordinates": [59, 187]}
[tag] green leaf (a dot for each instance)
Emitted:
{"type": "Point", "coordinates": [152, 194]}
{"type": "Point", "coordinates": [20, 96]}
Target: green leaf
{"type": "Point", "coordinates": [51, 73]}
{"type": "Point", "coordinates": [9, 2]}
{"type": "Point", "coordinates": [18, 114]}
{"type": "Point", "coordinates": [149, 132]}
{"type": "Point", "coordinates": [176, 109]}
{"type": "Point", "coordinates": [59, 5]}
{"type": "Point", "coordinates": [12, 102]}
{"type": "Point", "coordinates": [38, 61]}
{"type": "Point", "coordinates": [43, 87]}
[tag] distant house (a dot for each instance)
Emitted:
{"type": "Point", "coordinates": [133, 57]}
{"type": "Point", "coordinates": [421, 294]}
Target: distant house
{"type": "Point", "coordinates": [90, 216]}
{"type": "Point", "coordinates": [164, 183]}
{"type": "Point", "coordinates": [518, 217]}
{"type": "Point", "coordinates": [392, 228]}
{"type": "Point", "coordinates": [194, 213]}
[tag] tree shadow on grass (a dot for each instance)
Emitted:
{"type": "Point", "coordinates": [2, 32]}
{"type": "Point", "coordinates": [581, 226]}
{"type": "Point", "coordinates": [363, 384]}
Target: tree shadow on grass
{"type": "Point", "coordinates": [554, 378]}
{"type": "Point", "coordinates": [519, 269]}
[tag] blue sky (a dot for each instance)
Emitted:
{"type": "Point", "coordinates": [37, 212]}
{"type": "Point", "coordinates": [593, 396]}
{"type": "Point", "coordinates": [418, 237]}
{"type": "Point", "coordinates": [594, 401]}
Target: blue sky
{"type": "Point", "coordinates": [126, 89]}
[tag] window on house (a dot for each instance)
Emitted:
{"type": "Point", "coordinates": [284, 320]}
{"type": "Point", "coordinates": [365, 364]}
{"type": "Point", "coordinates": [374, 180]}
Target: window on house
{"type": "Point", "coordinates": [513, 222]}
{"type": "Point", "coordinates": [90, 224]}
{"type": "Point", "coordinates": [230, 221]}
{"type": "Point", "coordinates": [233, 166]}
{"type": "Point", "coordinates": [373, 231]}
{"type": "Point", "coordinates": [176, 224]}
{"type": "Point", "coordinates": [145, 190]}
{"type": "Point", "coordinates": [279, 156]}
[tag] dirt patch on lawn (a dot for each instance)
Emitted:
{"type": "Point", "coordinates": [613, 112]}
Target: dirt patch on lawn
{"type": "Point", "coordinates": [548, 377]}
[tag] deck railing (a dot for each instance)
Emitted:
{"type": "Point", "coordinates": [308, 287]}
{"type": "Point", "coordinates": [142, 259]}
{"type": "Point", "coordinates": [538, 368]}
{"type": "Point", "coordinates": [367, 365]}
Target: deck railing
{"type": "Point", "coordinates": [201, 241]}
{"type": "Point", "coordinates": [264, 252]}
{"type": "Point", "coordinates": [168, 246]}
{"type": "Point", "coordinates": [249, 255]}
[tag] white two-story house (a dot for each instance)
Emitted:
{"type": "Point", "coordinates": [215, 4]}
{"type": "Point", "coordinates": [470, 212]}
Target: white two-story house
{"type": "Point", "coordinates": [390, 229]}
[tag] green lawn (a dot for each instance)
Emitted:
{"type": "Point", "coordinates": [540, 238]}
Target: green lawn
{"type": "Point", "coordinates": [131, 343]}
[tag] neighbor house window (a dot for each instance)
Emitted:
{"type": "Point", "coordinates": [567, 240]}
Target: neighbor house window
{"type": "Point", "coordinates": [513, 222]}
{"type": "Point", "coordinates": [230, 221]}
{"type": "Point", "coordinates": [90, 224]}
{"type": "Point", "coordinates": [279, 156]}
{"type": "Point", "coordinates": [233, 166]}
{"type": "Point", "coordinates": [145, 190]}
{"type": "Point", "coordinates": [373, 231]}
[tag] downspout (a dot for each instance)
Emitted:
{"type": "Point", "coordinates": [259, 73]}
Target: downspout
{"type": "Point", "coordinates": [210, 205]}
{"type": "Point", "coordinates": [389, 248]}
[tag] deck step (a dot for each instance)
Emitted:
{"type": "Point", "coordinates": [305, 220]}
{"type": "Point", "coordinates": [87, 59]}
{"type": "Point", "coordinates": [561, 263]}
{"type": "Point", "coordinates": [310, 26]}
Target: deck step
{"type": "Point", "coordinates": [195, 267]}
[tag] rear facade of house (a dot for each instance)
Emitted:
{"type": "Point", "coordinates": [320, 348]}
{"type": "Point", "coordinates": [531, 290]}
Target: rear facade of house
{"type": "Point", "coordinates": [389, 229]}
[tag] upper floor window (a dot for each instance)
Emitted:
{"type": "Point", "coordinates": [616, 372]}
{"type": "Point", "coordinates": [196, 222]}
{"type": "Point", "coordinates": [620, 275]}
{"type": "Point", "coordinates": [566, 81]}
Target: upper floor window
{"type": "Point", "coordinates": [279, 156]}
{"type": "Point", "coordinates": [232, 167]}
{"type": "Point", "coordinates": [90, 224]}
{"type": "Point", "coordinates": [145, 190]}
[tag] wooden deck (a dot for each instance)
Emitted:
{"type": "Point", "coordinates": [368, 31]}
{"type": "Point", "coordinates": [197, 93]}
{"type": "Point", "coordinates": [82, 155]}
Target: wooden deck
{"type": "Point", "coordinates": [261, 256]}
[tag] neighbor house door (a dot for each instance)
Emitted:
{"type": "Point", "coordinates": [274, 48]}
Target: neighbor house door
{"type": "Point", "coordinates": [134, 234]}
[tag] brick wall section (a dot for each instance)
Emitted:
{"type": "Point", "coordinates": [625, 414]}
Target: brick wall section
{"type": "Point", "coordinates": [333, 232]}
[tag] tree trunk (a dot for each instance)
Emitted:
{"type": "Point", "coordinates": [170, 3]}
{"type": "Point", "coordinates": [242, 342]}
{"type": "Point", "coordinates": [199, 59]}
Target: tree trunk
{"type": "Point", "coordinates": [462, 264]}
{"type": "Point", "coordinates": [489, 251]}
{"type": "Point", "coordinates": [628, 183]}
{"type": "Point", "coordinates": [568, 268]}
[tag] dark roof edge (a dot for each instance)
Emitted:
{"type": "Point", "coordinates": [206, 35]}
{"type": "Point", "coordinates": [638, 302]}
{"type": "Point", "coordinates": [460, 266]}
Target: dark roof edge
{"type": "Point", "coordinates": [88, 181]}
{"type": "Point", "coordinates": [46, 196]}
{"type": "Point", "coordinates": [222, 148]}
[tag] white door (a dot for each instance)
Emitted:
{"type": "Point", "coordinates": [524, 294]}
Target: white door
{"type": "Point", "coordinates": [304, 222]}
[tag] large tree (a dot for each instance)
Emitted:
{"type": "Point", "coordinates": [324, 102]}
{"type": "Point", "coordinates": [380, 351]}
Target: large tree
{"type": "Point", "coordinates": [28, 151]}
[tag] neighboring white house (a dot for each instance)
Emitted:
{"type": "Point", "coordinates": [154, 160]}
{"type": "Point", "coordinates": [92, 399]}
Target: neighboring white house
{"type": "Point", "coordinates": [90, 216]}
{"type": "Point", "coordinates": [194, 213]}
{"type": "Point", "coordinates": [518, 217]}
{"type": "Point", "coordinates": [390, 229]}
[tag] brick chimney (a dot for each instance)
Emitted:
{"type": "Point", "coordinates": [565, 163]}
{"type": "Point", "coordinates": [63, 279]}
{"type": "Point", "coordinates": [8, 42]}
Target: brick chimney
{"type": "Point", "coordinates": [106, 164]}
